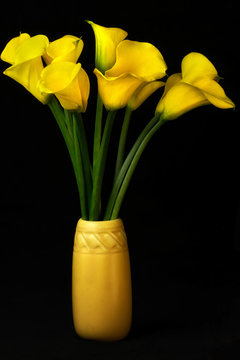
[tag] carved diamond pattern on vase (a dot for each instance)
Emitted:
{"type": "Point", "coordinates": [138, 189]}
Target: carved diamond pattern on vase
{"type": "Point", "coordinates": [102, 242]}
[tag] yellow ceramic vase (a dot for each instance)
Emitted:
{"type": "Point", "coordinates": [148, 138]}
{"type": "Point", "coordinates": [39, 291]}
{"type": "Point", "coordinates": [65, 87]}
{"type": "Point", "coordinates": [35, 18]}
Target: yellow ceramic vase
{"type": "Point", "coordinates": [101, 281]}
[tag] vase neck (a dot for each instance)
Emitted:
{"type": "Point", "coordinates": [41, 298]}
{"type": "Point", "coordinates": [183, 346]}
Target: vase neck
{"type": "Point", "coordinates": [100, 237]}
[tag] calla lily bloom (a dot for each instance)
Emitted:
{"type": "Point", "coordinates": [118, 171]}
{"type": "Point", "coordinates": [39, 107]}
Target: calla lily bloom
{"type": "Point", "coordinates": [9, 53]}
{"type": "Point", "coordinates": [68, 82]}
{"type": "Point", "coordinates": [196, 86]}
{"type": "Point", "coordinates": [137, 63]}
{"type": "Point", "coordinates": [116, 92]}
{"type": "Point", "coordinates": [107, 39]}
{"type": "Point", "coordinates": [67, 48]}
{"type": "Point", "coordinates": [24, 53]}
{"type": "Point", "coordinates": [140, 58]}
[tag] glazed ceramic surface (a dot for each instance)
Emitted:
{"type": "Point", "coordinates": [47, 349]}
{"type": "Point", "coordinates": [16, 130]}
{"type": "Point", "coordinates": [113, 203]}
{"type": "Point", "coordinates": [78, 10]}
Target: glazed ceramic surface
{"type": "Point", "coordinates": [101, 281]}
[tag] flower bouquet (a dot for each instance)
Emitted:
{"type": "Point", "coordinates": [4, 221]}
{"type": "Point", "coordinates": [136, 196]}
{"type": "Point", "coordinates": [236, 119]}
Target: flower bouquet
{"type": "Point", "coordinates": [127, 73]}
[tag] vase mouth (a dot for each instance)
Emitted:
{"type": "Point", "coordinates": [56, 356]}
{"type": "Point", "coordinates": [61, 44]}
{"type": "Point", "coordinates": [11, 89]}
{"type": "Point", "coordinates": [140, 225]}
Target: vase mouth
{"type": "Point", "coordinates": [99, 221]}
{"type": "Point", "coordinates": [102, 225]}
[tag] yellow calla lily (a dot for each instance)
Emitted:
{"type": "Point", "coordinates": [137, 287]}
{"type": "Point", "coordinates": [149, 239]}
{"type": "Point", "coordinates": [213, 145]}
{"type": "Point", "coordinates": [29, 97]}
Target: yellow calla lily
{"type": "Point", "coordinates": [68, 82]}
{"type": "Point", "coordinates": [107, 39]}
{"type": "Point", "coordinates": [25, 54]}
{"type": "Point", "coordinates": [67, 48]}
{"type": "Point", "coordinates": [136, 64]}
{"type": "Point", "coordinates": [180, 98]}
{"type": "Point", "coordinates": [196, 65]}
{"type": "Point", "coordinates": [116, 92]}
{"type": "Point", "coordinates": [140, 58]}
{"type": "Point", "coordinates": [9, 53]}
{"type": "Point", "coordinates": [194, 87]}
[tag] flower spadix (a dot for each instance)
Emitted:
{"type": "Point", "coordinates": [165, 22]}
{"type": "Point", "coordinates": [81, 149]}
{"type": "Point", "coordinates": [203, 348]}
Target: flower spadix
{"type": "Point", "coordinates": [68, 82]}
{"type": "Point", "coordinates": [196, 86]}
{"type": "Point", "coordinates": [137, 64]}
{"type": "Point", "coordinates": [24, 53]}
{"type": "Point", "coordinates": [67, 48]}
{"type": "Point", "coordinates": [106, 40]}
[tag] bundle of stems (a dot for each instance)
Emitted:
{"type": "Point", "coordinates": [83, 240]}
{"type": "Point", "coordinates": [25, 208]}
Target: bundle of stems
{"type": "Point", "coordinates": [89, 174]}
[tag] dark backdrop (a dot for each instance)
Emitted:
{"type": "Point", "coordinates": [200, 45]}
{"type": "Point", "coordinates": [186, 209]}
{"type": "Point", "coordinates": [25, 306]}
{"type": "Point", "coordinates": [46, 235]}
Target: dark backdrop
{"type": "Point", "coordinates": [181, 213]}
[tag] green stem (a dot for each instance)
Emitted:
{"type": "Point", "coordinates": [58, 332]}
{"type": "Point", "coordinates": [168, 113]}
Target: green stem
{"type": "Point", "coordinates": [87, 169]}
{"type": "Point", "coordinates": [125, 166]}
{"type": "Point", "coordinates": [98, 171]}
{"type": "Point", "coordinates": [63, 119]}
{"type": "Point", "coordinates": [122, 141]}
{"type": "Point", "coordinates": [132, 167]}
{"type": "Point", "coordinates": [58, 113]}
{"type": "Point", "coordinates": [97, 130]}
{"type": "Point", "coordinates": [79, 169]}
{"type": "Point", "coordinates": [68, 122]}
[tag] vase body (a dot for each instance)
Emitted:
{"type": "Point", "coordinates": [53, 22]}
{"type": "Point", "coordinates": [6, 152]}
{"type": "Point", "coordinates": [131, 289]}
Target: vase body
{"type": "Point", "coordinates": [101, 281]}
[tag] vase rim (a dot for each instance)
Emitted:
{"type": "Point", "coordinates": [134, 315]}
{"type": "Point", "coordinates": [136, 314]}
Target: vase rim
{"type": "Point", "coordinates": [101, 225]}
{"type": "Point", "coordinates": [100, 221]}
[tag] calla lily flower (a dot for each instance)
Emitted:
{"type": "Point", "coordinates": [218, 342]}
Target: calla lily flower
{"type": "Point", "coordinates": [116, 92]}
{"type": "Point", "coordinates": [140, 58]}
{"type": "Point", "coordinates": [107, 39]}
{"type": "Point", "coordinates": [196, 86]}
{"type": "Point", "coordinates": [137, 63]}
{"type": "Point", "coordinates": [24, 53]}
{"type": "Point", "coordinates": [9, 53]}
{"type": "Point", "coordinates": [68, 82]}
{"type": "Point", "coordinates": [67, 48]}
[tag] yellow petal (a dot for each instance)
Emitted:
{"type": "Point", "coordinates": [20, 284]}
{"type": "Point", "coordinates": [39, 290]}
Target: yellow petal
{"type": "Point", "coordinates": [195, 65]}
{"type": "Point", "coordinates": [214, 93]}
{"type": "Point", "coordinates": [172, 80]}
{"type": "Point", "coordinates": [116, 92]}
{"type": "Point", "coordinates": [75, 96]}
{"type": "Point", "coordinates": [57, 76]}
{"type": "Point", "coordinates": [179, 99]}
{"type": "Point", "coordinates": [31, 48]}
{"type": "Point", "coordinates": [84, 85]}
{"type": "Point", "coordinates": [28, 64]}
{"type": "Point", "coordinates": [106, 39]}
{"type": "Point", "coordinates": [69, 82]}
{"type": "Point", "coordinates": [9, 51]}
{"type": "Point", "coordinates": [143, 92]}
{"type": "Point", "coordinates": [28, 75]}
{"type": "Point", "coordinates": [67, 48]}
{"type": "Point", "coordinates": [139, 58]}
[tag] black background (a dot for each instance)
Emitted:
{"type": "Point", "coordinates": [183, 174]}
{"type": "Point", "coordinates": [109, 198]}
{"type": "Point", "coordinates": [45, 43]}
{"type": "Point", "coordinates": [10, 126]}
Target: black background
{"type": "Point", "coordinates": [182, 209]}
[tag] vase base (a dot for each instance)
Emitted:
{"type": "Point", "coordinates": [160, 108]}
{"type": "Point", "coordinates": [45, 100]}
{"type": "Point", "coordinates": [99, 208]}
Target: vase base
{"type": "Point", "coordinates": [102, 337]}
